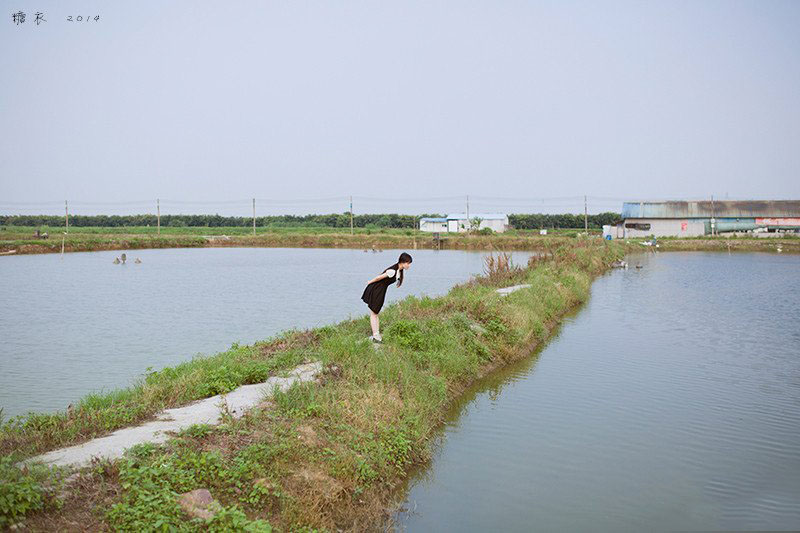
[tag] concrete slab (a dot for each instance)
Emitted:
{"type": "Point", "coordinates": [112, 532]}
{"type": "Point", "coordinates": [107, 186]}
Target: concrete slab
{"type": "Point", "coordinates": [207, 411]}
{"type": "Point", "coordinates": [508, 290]}
{"type": "Point", "coordinates": [477, 328]}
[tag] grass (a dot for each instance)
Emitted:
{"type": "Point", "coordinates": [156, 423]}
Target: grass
{"type": "Point", "coordinates": [97, 414]}
{"type": "Point", "coordinates": [82, 239]}
{"type": "Point", "coordinates": [787, 242]}
{"type": "Point", "coordinates": [26, 232]}
{"type": "Point", "coordinates": [320, 456]}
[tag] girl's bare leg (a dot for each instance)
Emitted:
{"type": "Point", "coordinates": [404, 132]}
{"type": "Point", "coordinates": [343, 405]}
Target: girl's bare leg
{"type": "Point", "coordinates": [374, 321]}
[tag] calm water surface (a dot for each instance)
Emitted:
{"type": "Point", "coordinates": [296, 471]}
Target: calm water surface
{"type": "Point", "coordinates": [671, 401]}
{"type": "Point", "coordinates": [80, 324]}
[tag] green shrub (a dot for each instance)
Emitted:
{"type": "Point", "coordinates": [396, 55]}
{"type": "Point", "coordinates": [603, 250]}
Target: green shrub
{"type": "Point", "coordinates": [20, 493]}
{"type": "Point", "coordinates": [396, 446]}
{"type": "Point", "coordinates": [496, 327]}
{"type": "Point", "coordinates": [300, 401]}
{"type": "Point", "coordinates": [408, 334]}
{"type": "Point", "coordinates": [461, 322]}
{"type": "Point", "coordinates": [220, 380]}
{"type": "Point", "coordinates": [364, 472]}
{"type": "Point", "coordinates": [477, 348]}
{"type": "Point", "coordinates": [233, 519]}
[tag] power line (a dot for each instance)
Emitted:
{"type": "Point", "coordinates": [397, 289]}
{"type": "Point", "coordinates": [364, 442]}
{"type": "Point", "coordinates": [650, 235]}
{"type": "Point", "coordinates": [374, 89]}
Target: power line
{"type": "Point", "coordinates": [417, 199]}
{"type": "Point", "coordinates": [541, 199]}
{"type": "Point", "coordinates": [206, 202]}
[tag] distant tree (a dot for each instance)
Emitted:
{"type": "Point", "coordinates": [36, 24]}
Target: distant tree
{"type": "Point", "coordinates": [475, 224]}
{"type": "Point", "coordinates": [335, 220]}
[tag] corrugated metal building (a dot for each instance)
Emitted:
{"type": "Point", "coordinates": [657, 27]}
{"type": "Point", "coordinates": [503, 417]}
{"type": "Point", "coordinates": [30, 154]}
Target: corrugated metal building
{"type": "Point", "coordinates": [458, 222]}
{"type": "Point", "coordinates": [693, 219]}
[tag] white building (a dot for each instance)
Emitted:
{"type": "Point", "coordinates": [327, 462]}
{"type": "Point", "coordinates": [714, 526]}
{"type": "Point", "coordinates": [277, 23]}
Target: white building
{"type": "Point", "coordinates": [433, 225]}
{"type": "Point", "coordinates": [458, 223]}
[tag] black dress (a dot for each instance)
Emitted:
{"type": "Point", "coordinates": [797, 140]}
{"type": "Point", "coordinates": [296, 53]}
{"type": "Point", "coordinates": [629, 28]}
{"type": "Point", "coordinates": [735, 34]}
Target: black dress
{"type": "Point", "coordinates": [375, 292]}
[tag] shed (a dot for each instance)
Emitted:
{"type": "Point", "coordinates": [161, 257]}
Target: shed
{"type": "Point", "coordinates": [459, 222]}
{"type": "Point", "coordinates": [433, 224]}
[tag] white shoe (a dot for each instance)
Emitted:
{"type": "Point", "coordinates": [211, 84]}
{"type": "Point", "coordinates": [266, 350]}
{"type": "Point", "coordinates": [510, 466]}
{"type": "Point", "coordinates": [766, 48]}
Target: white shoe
{"type": "Point", "coordinates": [377, 339]}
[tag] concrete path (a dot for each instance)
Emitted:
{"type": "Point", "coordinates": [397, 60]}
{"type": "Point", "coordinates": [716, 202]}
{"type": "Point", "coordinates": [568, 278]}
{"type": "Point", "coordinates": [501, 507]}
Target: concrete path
{"type": "Point", "coordinates": [508, 290]}
{"type": "Point", "coordinates": [205, 411]}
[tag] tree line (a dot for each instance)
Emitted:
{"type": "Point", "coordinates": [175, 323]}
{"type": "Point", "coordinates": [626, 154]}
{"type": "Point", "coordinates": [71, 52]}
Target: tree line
{"type": "Point", "coordinates": [333, 220]}
{"type": "Point", "coordinates": [566, 220]}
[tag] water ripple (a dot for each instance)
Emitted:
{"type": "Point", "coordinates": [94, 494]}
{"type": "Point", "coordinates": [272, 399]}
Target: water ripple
{"type": "Point", "coordinates": [670, 402]}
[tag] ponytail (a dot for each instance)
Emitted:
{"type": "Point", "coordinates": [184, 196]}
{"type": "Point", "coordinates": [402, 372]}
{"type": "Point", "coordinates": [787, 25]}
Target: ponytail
{"type": "Point", "coordinates": [404, 258]}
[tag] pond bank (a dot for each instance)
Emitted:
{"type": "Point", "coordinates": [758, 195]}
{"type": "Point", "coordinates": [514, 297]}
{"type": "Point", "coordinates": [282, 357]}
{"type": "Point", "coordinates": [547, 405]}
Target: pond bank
{"type": "Point", "coordinates": [92, 242]}
{"type": "Point", "coordinates": [321, 455]}
{"type": "Point", "coordinates": [211, 411]}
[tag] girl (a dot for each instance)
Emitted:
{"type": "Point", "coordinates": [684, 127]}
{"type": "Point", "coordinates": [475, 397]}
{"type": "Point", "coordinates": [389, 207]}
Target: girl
{"type": "Point", "coordinates": [375, 292]}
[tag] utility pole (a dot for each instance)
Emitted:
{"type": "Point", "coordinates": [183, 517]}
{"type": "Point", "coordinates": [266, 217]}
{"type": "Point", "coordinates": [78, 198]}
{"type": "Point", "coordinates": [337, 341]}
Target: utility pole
{"type": "Point", "coordinates": [66, 217]}
{"type": "Point", "coordinates": [158, 214]}
{"type": "Point", "coordinates": [585, 217]}
{"type": "Point", "coordinates": [254, 217]}
{"type": "Point", "coordinates": [713, 213]}
{"type": "Point", "coordinates": [469, 224]}
{"type": "Point", "coordinates": [351, 215]}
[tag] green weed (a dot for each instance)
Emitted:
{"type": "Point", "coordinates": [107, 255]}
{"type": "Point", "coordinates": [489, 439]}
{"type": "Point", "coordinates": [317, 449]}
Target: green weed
{"type": "Point", "coordinates": [20, 493]}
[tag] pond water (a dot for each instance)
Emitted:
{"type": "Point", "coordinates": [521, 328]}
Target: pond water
{"type": "Point", "coordinates": [671, 401]}
{"type": "Point", "coordinates": [78, 324]}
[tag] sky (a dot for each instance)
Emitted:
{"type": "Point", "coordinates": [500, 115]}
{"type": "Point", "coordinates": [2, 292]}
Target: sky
{"type": "Point", "coordinates": [407, 106]}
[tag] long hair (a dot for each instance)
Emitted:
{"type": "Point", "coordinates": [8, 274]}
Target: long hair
{"type": "Point", "coordinates": [404, 258]}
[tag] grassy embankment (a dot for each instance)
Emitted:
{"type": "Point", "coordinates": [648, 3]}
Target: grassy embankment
{"type": "Point", "coordinates": [788, 243]}
{"type": "Point", "coordinates": [322, 456]}
{"type": "Point", "coordinates": [88, 239]}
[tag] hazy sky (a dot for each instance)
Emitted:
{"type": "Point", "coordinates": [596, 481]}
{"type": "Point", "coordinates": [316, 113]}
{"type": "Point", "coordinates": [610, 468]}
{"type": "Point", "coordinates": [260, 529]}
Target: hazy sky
{"type": "Point", "coordinates": [407, 101]}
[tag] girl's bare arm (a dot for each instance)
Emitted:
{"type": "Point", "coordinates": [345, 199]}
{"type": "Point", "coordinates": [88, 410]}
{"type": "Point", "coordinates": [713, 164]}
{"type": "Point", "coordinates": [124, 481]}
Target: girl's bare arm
{"type": "Point", "coordinates": [373, 280]}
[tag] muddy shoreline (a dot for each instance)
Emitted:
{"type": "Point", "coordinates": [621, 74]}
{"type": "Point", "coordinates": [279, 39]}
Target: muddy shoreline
{"type": "Point", "coordinates": [82, 243]}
